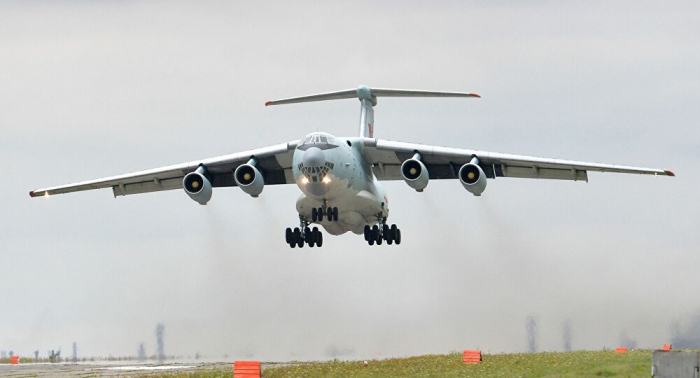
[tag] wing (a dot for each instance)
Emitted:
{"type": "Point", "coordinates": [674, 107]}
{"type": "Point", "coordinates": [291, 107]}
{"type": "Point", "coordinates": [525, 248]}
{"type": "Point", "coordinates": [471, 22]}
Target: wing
{"type": "Point", "coordinates": [444, 163]}
{"type": "Point", "coordinates": [274, 162]}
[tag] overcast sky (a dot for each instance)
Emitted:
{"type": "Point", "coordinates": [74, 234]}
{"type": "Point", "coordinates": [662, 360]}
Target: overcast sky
{"type": "Point", "coordinates": [96, 88]}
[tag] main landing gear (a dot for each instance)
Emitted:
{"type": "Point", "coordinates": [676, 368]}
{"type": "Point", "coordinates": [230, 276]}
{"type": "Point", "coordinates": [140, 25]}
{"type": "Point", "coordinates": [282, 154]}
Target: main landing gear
{"type": "Point", "coordinates": [304, 235]}
{"type": "Point", "coordinates": [382, 232]}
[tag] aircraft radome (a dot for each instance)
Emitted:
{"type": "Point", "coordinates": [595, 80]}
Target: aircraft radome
{"type": "Point", "coordinates": [340, 177]}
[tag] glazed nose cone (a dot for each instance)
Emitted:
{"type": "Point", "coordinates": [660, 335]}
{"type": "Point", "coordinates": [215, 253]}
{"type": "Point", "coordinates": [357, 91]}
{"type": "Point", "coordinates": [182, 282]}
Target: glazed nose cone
{"type": "Point", "coordinates": [314, 157]}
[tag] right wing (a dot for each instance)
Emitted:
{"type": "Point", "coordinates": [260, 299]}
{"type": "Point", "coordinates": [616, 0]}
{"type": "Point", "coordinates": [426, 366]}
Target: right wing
{"type": "Point", "coordinates": [274, 162]}
{"type": "Point", "coordinates": [444, 163]}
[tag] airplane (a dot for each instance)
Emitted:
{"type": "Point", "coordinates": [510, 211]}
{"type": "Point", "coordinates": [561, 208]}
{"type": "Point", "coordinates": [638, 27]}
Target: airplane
{"type": "Point", "coordinates": [339, 178]}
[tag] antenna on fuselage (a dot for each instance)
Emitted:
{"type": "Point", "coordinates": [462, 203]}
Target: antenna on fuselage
{"type": "Point", "coordinates": [368, 99]}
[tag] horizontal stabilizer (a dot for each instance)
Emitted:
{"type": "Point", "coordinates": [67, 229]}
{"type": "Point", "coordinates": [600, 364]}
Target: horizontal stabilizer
{"type": "Point", "coordinates": [365, 93]}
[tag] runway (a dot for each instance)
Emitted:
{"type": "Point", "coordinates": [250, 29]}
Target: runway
{"type": "Point", "coordinates": [107, 370]}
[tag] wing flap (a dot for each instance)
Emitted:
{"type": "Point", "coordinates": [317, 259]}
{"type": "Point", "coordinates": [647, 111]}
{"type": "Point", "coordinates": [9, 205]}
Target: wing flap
{"type": "Point", "coordinates": [147, 186]}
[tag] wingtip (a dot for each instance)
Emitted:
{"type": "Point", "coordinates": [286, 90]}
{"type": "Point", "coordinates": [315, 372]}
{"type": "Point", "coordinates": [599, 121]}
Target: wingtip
{"type": "Point", "coordinates": [268, 103]}
{"type": "Point", "coordinates": [669, 173]}
{"type": "Point", "coordinates": [475, 95]}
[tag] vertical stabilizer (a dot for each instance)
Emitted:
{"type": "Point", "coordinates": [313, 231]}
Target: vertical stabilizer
{"type": "Point", "coordinates": [367, 102]}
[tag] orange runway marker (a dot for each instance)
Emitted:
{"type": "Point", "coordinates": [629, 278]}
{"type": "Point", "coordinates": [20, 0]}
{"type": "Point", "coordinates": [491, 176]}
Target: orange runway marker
{"type": "Point", "coordinates": [246, 369]}
{"type": "Point", "coordinates": [471, 357]}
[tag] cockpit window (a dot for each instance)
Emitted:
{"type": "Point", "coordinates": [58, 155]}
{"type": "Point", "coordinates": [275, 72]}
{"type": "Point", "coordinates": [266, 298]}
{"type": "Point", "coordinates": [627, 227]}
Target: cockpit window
{"type": "Point", "coordinates": [318, 140]}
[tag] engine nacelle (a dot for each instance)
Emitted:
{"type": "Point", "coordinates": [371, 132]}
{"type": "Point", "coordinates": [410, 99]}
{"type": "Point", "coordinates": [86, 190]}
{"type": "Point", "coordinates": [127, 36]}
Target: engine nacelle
{"type": "Point", "coordinates": [249, 179]}
{"type": "Point", "coordinates": [415, 174]}
{"type": "Point", "coordinates": [197, 186]}
{"type": "Point", "coordinates": [473, 178]}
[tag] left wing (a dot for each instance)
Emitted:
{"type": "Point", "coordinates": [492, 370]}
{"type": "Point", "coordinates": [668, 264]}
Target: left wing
{"type": "Point", "coordinates": [444, 163]}
{"type": "Point", "coordinates": [274, 162]}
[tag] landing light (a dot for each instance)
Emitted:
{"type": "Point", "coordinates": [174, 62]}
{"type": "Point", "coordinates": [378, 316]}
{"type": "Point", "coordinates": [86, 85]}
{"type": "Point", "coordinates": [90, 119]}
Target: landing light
{"type": "Point", "coordinates": [46, 194]}
{"type": "Point", "coordinates": [326, 180]}
{"type": "Point", "coordinates": [304, 180]}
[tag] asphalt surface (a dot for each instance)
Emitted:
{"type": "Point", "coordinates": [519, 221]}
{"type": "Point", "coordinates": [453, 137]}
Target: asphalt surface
{"type": "Point", "coordinates": [62, 370]}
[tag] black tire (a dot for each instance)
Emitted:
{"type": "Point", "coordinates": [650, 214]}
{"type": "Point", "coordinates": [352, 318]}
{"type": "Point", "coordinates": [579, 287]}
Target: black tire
{"type": "Point", "coordinates": [380, 240]}
{"type": "Point", "coordinates": [329, 214]}
{"type": "Point", "coordinates": [296, 235]}
{"type": "Point", "coordinates": [293, 244]}
{"type": "Point", "coordinates": [288, 235]}
{"type": "Point", "coordinates": [398, 237]}
{"type": "Point", "coordinates": [319, 239]}
{"type": "Point", "coordinates": [335, 214]}
{"type": "Point", "coordinates": [371, 241]}
{"type": "Point", "coordinates": [389, 241]}
{"type": "Point", "coordinates": [385, 232]}
{"type": "Point", "coordinates": [392, 232]}
{"type": "Point", "coordinates": [300, 243]}
{"type": "Point", "coordinates": [307, 235]}
{"type": "Point", "coordinates": [368, 230]}
{"type": "Point", "coordinates": [314, 215]}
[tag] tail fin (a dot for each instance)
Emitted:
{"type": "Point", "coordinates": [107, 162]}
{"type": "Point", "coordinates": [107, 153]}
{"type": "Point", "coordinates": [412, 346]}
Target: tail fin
{"type": "Point", "coordinates": [368, 99]}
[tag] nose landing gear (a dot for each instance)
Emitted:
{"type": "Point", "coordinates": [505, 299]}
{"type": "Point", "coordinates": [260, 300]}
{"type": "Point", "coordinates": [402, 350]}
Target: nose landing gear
{"type": "Point", "coordinates": [382, 232]}
{"type": "Point", "coordinates": [331, 213]}
{"type": "Point", "coordinates": [301, 235]}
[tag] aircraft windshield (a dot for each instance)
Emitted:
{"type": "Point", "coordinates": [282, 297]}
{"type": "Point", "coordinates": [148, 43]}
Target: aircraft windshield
{"type": "Point", "coordinates": [319, 139]}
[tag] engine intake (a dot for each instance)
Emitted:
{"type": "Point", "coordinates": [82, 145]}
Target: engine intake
{"type": "Point", "coordinates": [473, 177]}
{"type": "Point", "coordinates": [198, 186]}
{"type": "Point", "coordinates": [415, 173]}
{"type": "Point", "coordinates": [249, 178]}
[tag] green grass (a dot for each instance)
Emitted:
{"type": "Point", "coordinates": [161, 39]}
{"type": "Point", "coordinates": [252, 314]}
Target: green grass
{"type": "Point", "coordinates": [546, 364]}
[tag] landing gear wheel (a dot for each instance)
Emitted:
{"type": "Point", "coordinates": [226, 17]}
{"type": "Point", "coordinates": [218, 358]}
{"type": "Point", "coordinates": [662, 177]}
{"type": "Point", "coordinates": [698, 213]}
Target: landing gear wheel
{"type": "Point", "coordinates": [380, 240]}
{"type": "Point", "coordinates": [288, 235]}
{"type": "Point", "coordinates": [314, 214]}
{"type": "Point", "coordinates": [335, 214]}
{"type": "Point", "coordinates": [329, 214]}
{"type": "Point", "coordinates": [309, 237]}
{"type": "Point", "coordinates": [371, 241]}
{"type": "Point", "coordinates": [392, 232]}
{"type": "Point", "coordinates": [368, 231]}
{"type": "Point", "coordinates": [318, 237]}
{"type": "Point", "coordinates": [300, 243]}
{"type": "Point", "coordinates": [385, 233]}
{"type": "Point", "coordinates": [398, 237]}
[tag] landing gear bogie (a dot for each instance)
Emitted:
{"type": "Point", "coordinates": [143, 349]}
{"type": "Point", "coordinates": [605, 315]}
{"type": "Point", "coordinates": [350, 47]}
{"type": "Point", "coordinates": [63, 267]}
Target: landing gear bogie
{"type": "Point", "coordinates": [382, 232]}
{"type": "Point", "coordinates": [303, 235]}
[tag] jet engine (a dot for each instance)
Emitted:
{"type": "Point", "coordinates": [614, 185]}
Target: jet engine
{"type": "Point", "coordinates": [415, 173]}
{"type": "Point", "coordinates": [472, 177]}
{"type": "Point", "coordinates": [249, 178]}
{"type": "Point", "coordinates": [198, 186]}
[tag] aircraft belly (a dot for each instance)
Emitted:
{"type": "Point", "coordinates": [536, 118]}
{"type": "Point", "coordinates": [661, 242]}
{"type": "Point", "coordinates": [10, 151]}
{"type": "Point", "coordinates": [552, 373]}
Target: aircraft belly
{"type": "Point", "coordinates": [355, 210]}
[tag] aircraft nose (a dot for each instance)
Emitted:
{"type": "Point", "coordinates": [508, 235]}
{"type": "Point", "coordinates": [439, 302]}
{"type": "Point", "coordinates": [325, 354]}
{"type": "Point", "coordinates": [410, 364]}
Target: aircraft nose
{"type": "Point", "coordinates": [314, 157]}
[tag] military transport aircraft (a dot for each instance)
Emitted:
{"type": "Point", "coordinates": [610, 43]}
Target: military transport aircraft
{"type": "Point", "coordinates": [339, 177]}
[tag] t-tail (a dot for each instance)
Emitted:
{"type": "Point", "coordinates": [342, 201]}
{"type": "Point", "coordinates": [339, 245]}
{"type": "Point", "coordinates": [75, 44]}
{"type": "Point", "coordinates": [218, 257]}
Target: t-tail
{"type": "Point", "coordinates": [368, 100]}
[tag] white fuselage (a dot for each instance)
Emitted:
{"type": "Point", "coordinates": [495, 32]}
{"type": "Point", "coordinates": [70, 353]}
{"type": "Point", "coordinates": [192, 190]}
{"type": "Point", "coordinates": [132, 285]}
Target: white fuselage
{"type": "Point", "coordinates": [334, 172]}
